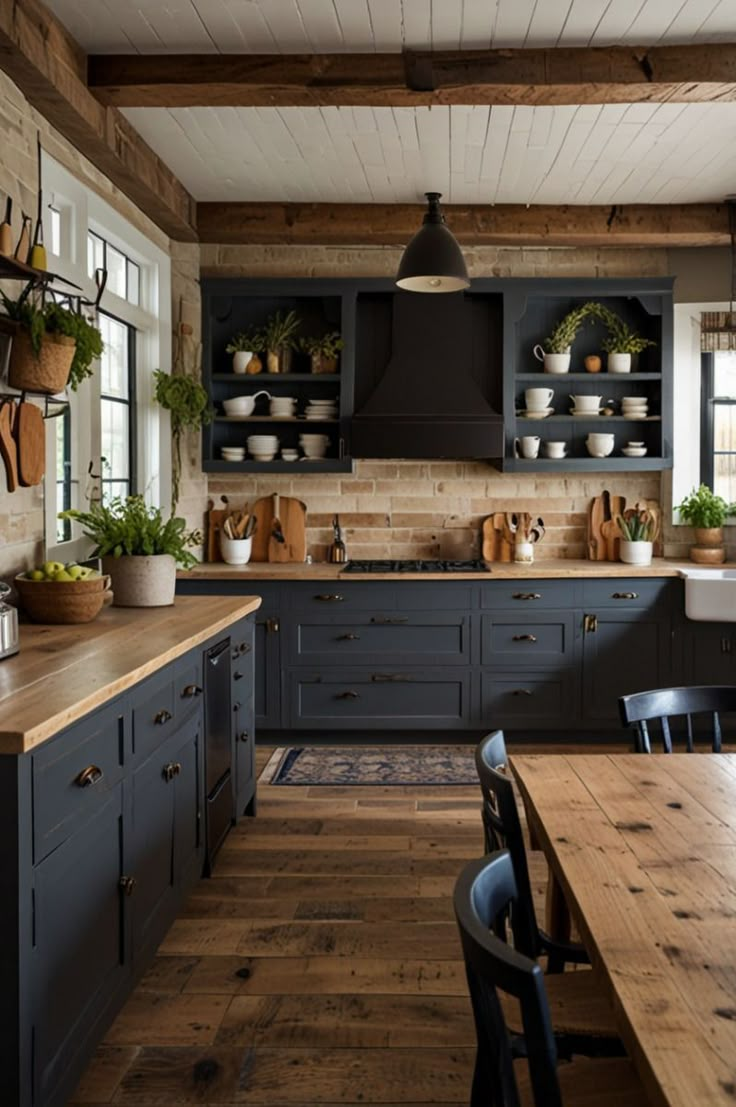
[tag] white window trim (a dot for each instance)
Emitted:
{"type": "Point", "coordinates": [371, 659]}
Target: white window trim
{"type": "Point", "coordinates": [82, 210]}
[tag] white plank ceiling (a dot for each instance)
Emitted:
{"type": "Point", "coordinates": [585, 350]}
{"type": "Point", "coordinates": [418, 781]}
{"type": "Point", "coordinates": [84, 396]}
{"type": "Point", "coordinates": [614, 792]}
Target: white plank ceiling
{"type": "Point", "coordinates": [289, 26]}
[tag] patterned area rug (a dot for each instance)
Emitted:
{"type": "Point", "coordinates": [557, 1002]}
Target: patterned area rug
{"type": "Point", "coordinates": [383, 765]}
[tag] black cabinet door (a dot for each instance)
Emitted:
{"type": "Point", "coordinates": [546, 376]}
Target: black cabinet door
{"type": "Point", "coordinates": [243, 704]}
{"type": "Point", "coordinates": [187, 757]}
{"type": "Point", "coordinates": [79, 962]}
{"type": "Point", "coordinates": [268, 671]}
{"type": "Point", "coordinates": [623, 652]}
{"type": "Point", "coordinates": [152, 849]}
{"type": "Point", "coordinates": [710, 653]}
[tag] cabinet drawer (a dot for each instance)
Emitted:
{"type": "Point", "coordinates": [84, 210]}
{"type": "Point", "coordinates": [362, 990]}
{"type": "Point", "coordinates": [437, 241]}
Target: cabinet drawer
{"type": "Point", "coordinates": [395, 639]}
{"type": "Point", "coordinates": [527, 642]}
{"type": "Point", "coordinates": [433, 698]}
{"type": "Point", "coordinates": [188, 687]}
{"type": "Point", "coordinates": [73, 774]}
{"type": "Point", "coordinates": [337, 595]}
{"type": "Point", "coordinates": [154, 709]}
{"type": "Point", "coordinates": [528, 594]}
{"type": "Point", "coordinates": [626, 592]}
{"type": "Point", "coordinates": [541, 699]}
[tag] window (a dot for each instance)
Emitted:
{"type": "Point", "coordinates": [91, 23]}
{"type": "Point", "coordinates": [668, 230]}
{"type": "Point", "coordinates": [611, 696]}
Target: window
{"type": "Point", "coordinates": [123, 275]}
{"type": "Point", "coordinates": [62, 430]}
{"type": "Point", "coordinates": [55, 230]}
{"type": "Point", "coordinates": [117, 408]}
{"type": "Point", "coordinates": [718, 423]}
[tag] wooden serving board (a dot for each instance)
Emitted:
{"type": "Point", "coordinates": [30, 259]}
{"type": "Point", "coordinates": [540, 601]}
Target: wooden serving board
{"type": "Point", "coordinates": [30, 438]}
{"type": "Point", "coordinates": [293, 515]}
{"type": "Point", "coordinates": [215, 518]}
{"type": "Point", "coordinates": [8, 448]}
{"type": "Point", "coordinates": [496, 546]}
{"type": "Point", "coordinates": [262, 510]}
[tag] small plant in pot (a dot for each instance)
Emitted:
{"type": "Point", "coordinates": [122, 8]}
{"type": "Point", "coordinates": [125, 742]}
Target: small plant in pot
{"type": "Point", "coordinates": [54, 346]}
{"type": "Point", "coordinates": [637, 527]}
{"type": "Point", "coordinates": [279, 339]}
{"type": "Point", "coordinates": [707, 513]}
{"type": "Point", "coordinates": [139, 549]}
{"type": "Point", "coordinates": [555, 353]}
{"type": "Point", "coordinates": [323, 351]}
{"type": "Point", "coordinates": [621, 342]}
{"type": "Point", "coordinates": [245, 348]}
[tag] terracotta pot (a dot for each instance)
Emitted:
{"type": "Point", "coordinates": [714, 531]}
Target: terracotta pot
{"type": "Point", "coordinates": [47, 371]}
{"type": "Point", "coordinates": [142, 581]}
{"type": "Point", "coordinates": [709, 536]}
{"type": "Point", "coordinates": [592, 364]}
{"type": "Point", "coordinates": [255, 365]}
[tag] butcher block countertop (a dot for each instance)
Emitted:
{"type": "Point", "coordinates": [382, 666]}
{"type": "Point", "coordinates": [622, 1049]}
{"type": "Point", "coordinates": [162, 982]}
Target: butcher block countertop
{"type": "Point", "coordinates": [64, 672]}
{"type": "Point", "coordinates": [540, 570]}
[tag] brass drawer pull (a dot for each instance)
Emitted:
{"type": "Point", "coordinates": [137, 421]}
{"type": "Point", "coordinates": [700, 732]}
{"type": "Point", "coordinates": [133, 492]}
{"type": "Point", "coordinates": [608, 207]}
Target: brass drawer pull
{"type": "Point", "coordinates": [348, 638]}
{"type": "Point", "coordinates": [625, 596]}
{"type": "Point", "coordinates": [171, 770]}
{"type": "Point", "coordinates": [126, 885]}
{"type": "Point", "coordinates": [526, 596]}
{"type": "Point", "coordinates": [89, 776]}
{"type": "Point", "coordinates": [162, 717]}
{"type": "Point", "coordinates": [191, 691]}
{"type": "Point", "coordinates": [350, 695]}
{"type": "Point", "coordinates": [524, 638]}
{"type": "Point", "coordinates": [388, 620]}
{"type": "Point", "coordinates": [273, 625]}
{"type": "Point", "coordinates": [522, 692]}
{"type": "Point", "coordinates": [390, 678]}
{"type": "Point", "coordinates": [590, 624]}
{"type": "Point", "coordinates": [330, 597]}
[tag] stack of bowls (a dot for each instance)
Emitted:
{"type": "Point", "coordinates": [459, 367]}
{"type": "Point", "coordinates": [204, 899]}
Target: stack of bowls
{"type": "Point", "coordinates": [634, 407]}
{"type": "Point", "coordinates": [321, 409]}
{"type": "Point", "coordinates": [282, 407]}
{"type": "Point", "coordinates": [263, 447]}
{"type": "Point", "coordinates": [314, 445]}
{"type": "Point", "coordinates": [233, 453]}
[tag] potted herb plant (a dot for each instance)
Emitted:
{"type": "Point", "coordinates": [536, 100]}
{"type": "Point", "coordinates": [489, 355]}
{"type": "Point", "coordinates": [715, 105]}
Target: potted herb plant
{"type": "Point", "coordinates": [621, 342]}
{"type": "Point", "coordinates": [54, 346]}
{"type": "Point", "coordinates": [189, 407]}
{"type": "Point", "coordinates": [707, 513]}
{"type": "Point", "coordinates": [555, 353]}
{"type": "Point", "coordinates": [139, 550]}
{"type": "Point", "coordinates": [279, 339]}
{"type": "Point", "coordinates": [323, 351]}
{"type": "Point", "coordinates": [637, 527]}
{"type": "Point", "coordinates": [245, 347]}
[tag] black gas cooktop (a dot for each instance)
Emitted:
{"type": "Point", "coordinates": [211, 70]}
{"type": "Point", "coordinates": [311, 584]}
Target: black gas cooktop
{"type": "Point", "coordinates": [474, 565]}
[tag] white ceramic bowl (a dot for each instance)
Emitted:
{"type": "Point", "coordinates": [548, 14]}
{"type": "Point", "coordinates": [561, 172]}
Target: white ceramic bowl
{"type": "Point", "coordinates": [634, 451]}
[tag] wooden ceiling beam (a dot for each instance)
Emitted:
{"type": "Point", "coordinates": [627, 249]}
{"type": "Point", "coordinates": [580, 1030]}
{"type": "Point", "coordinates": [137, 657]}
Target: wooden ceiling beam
{"type": "Point", "coordinates": [563, 75]}
{"type": "Point", "coordinates": [49, 68]}
{"type": "Point", "coordinates": [640, 225]}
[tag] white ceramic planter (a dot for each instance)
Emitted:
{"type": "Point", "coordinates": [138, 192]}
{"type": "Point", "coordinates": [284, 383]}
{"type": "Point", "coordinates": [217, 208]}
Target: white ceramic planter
{"type": "Point", "coordinates": [553, 363]}
{"type": "Point", "coordinates": [141, 581]}
{"type": "Point", "coordinates": [240, 360]}
{"type": "Point", "coordinates": [235, 551]}
{"type": "Point", "coordinates": [619, 363]}
{"type": "Point", "coordinates": [635, 553]}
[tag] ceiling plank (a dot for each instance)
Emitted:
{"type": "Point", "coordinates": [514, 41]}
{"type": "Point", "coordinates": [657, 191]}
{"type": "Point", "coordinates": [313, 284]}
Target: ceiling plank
{"type": "Point", "coordinates": [569, 75]}
{"type": "Point", "coordinates": [50, 70]}
{"type": "Point", "coordinates": [643, 225]}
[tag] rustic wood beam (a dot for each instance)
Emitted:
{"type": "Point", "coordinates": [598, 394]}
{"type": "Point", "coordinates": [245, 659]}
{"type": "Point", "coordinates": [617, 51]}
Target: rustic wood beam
{"type": "Point", "coordinates": [579, 75]}
{"type": "Point", "coordinates": [49, 68]}
{"type": "Point", "coordinates": [474, 225]}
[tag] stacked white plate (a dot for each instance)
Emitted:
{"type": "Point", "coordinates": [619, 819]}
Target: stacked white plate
{"type": "Point", "coordinates": [634, 407]}
{"type": "Point", "coordinates": [314, 445]}
{"type": "Point", "coordinates": [263, 447]}
{"type": "Point", "coordinates": [321, 409]}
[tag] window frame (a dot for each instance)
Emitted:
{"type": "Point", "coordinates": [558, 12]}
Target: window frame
{"type": "Point", "coordinates": [129, 402]}
{"type": "Point", "coordinates": [708, 404]}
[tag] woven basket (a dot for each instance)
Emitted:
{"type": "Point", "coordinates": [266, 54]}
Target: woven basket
{"type": "Point", "coordinates": [71, 601]}
{"type": "Point", "coordinates": [47, 372]}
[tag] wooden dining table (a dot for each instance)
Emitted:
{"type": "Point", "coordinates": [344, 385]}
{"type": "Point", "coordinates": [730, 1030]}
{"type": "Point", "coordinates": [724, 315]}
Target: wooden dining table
{"type": "Point", "coordinates": [644, 851]}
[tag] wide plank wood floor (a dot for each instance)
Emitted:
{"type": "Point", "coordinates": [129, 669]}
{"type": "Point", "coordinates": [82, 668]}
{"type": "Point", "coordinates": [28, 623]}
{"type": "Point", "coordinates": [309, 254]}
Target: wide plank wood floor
{"type": "Point", "coordinates": [320, 965]}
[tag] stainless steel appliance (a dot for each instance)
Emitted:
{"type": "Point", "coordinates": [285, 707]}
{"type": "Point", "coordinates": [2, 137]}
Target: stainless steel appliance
{"type": "Point", "coordinates": [9, 639]}
{"type": "Point", "coordinates": [419, 565]}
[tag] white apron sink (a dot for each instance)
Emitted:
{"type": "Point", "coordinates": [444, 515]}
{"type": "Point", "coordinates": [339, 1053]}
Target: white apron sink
{"type": "Point", "coordinates": [710, 595]}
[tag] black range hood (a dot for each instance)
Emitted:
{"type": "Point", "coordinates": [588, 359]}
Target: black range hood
{"type": "Point", "coordinates": [427, 404]}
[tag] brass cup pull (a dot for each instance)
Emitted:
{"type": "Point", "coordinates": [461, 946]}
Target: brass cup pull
{"type": "Point", "coordinates": [522, 692]}
{"type": "Point", "coordinates": [348, 638]}
{"type": "Point", "coordinates": [191, 691]}
{"type": "Point", "coordinates": [89, 776]}
{"type": "Point", "coordinates": [526, 596]}
{"type": "Point", "coordinates": [244, 647]}
{"type": "Point", "coordinates": [350, 695]}
{"type": "Point", "coordinates": [162, 717]}
{"type": "Point", "coordinates": [127, 884]}
{"type": "Point", "coordinates": [524, 638]}
{"type": "Point", "coordinates": [625, 596]}
{"type": "Point", "coordinates": [329, 597]}
{"type": "Point", "coordinates": [237, 705]}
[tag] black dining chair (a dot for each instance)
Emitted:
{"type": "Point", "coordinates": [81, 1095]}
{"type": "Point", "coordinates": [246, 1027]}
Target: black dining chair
{"type": "Point", "coordinates": [581, 1014]}
{"type": "Point", "coordinates": [485, 892]}
{"type": "Point", "coordinates": [664, 704]}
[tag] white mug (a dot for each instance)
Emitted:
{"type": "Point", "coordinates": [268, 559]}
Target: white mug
{"type": "Point", "coordinates": [586, 403]}
{"type": "Point", "coordinates": [599, 445]}
{"type": "Point", "coordinates": [537, 399]}
{"type": "Point", "coordinates": [527, 446]}
{"type": "Point", "coordinates": [555, 449]}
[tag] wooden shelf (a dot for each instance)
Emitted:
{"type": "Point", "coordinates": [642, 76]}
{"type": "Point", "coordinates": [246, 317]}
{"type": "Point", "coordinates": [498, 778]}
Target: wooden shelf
{"type": "Point", "coordinates": [300, 419]}
{"type": "Point", "coordinates": [597, 419]}
{"type": "Point", "coordinates": [260, 379]}
{"type": "Point", "coordinates": [549, 378]}
{"type": "Point", "coordinates": [585, 464]}
{"type": "Point", "coordinates": [320, 465]}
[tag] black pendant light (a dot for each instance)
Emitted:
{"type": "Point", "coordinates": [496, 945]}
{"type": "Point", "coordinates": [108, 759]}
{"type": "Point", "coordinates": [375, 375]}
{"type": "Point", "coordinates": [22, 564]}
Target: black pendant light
{"type": "Point", "coordinates": [433, 261]}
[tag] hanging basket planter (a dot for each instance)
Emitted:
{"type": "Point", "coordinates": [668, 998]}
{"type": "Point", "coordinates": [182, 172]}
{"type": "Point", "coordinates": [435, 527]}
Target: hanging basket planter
{"type": "Point", "coordinates": [46, 371]}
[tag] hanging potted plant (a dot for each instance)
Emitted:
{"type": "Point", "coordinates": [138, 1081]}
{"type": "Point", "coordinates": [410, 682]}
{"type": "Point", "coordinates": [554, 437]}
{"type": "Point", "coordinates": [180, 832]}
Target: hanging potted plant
{"type": "Point", "coordinates": [621, 342]}
{"type": "Point", "coordinates": [139, 550]}
{"type": "Point", "coordinates": [53, 346]}
{"type": "Point", "coordinates": [245, 347]}
{"type": "Point", "coordinates": [555, 353]}
{"type": "Point", "coordinates": [707, 513]}
{"type": "Point", "coordinates": [323, 351]}
{"type": "Point", "coordinates": [189, 407]}
{"type": "Point", "coordinates": [279, 340]}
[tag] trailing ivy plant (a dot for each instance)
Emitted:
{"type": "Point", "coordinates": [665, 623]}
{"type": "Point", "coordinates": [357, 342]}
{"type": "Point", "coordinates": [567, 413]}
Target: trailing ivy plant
{"type": "Point", "coordinates": [129, 527]}
{"type": "Point", "coordinates": [190, 409]}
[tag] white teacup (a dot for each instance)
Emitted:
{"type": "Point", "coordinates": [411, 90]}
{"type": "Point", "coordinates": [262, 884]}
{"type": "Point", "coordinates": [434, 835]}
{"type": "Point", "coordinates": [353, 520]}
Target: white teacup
{"type": "Point", "coordinates": [599, 445]}
{"type": "Point", "coordinates": [537, 399]}
{"type": "Point", "coordinates": [527, 446]}
{"type": "Point", "coordinates": [555, 449]}
{"type": "Point", "coordinates": [586, 403]}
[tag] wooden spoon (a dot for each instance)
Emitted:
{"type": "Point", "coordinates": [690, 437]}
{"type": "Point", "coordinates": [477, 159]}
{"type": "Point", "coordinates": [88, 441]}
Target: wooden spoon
{"type": "Point", "coordinates": [8, 448]}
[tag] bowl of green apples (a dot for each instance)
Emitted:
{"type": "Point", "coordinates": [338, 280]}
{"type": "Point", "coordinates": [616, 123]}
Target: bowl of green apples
{"type": "Point", "coordinates": [57, 593]}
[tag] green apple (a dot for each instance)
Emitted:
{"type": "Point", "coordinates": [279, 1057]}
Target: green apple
{"type": "Point", "coordinates": [88, 573]}
{"type": "Point", "coordinates": [51, 568]}
{"type": "Point", "coordinates": [76, 572]}
{"type": "Point", "coordinates": [36, 574]}
{"type": "Point", "coordinates": [62, 577]}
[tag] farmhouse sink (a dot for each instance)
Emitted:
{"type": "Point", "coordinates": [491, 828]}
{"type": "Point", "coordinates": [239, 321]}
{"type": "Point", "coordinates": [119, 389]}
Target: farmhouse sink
{"type": "Point", "coordinates": [710, 595]}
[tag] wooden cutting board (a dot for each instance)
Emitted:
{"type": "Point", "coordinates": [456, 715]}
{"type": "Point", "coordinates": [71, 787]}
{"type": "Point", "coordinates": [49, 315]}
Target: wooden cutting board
{"type": "Point", "coordinates": [8, 448]}
{"type": "Point", "coordinates": [30, 438]}
{"type": "Point", "coordinates": [215, 518]}
{"type": "Point", "coordinates": [596, 543]}
{"type": "Point", "coordinates": [496, 546]}
{"type": "Point", "coordinates": [262, 510]}
{"type": "Point", "coordinates": [293, 515]}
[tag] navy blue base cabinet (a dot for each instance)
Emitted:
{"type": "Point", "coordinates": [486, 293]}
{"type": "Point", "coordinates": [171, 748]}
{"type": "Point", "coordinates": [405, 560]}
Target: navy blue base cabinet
{"type": "Point", "coordinates": [101, 835]}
